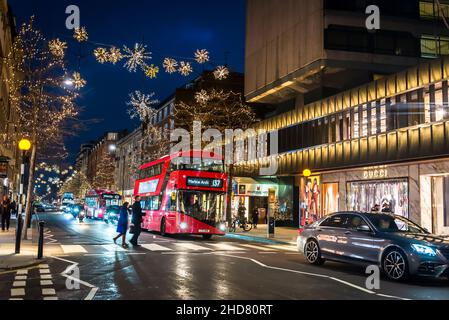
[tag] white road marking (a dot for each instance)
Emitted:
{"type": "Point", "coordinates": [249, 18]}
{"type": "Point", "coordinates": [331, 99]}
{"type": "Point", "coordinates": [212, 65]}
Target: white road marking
{"type": "Point", "coordinates": [17, 292]}
{"type": "Point", "coordinates": [44, 271]}
{"type": "Point", "coordinates": [22, 272]}
{"type": "Point", "coordinates": [46, 276]}
{"type": "Point", "coordinates": [15, 299]}
{"type": "Point", "coordinates": [19, 284]}
{"type": "Point", "coordinates": [260, 248]}
{"type": "Point", "coordinates": [93, 289]}
{"type": "Point", "coordinates": [155, 247]}
{"type": "Point", "coordinates": [315, 275]}
{"type": "Point", "coordinates": [46, 283]}
{"type": "Point", "coordinates": [191, 246]}
{"type": "Point", "coordinates": [114, 248]}
{"type": "Point", "coordinates": [226, 247]}
{"type": "Point", "coordinates": [21, 278]}
{"type": "Point", "coordinates": [284, 248]}
{"type": "Point", "coordinates": [51, 298]}
{"type": "Point", "coordinates": [48, 292]}
{"type": "Point", "coordinates": [44, 266]}
{"type": "Point", "coordinates": [73, 249]}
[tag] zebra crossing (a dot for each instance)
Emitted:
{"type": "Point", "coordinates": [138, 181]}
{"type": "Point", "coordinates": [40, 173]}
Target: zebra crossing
{"type": "Point", "coordinates": [177, 246]}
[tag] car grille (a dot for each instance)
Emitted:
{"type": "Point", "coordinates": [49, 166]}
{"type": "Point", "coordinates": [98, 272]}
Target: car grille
{"type": "Point", "coordinates": [445, 252]}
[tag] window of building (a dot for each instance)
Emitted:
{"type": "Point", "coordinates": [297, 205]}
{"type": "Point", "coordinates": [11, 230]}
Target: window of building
{"type": "Point", "coordinates": [427, 106]}
{"type": "Point", "coordinates": [373, 118]}
{"type": "Point", "coordinates": [440, 112]}
{"type": "Point", "coordinates": [364, 120]}
{"type": "Point", "coordinates": [433, 46]}
{"type": "Point", "coordinates": [356, 133]}
{"type": "Point", "coordinates": [383, 116]}
{"type": "Point", "coordinates": [431, 9]}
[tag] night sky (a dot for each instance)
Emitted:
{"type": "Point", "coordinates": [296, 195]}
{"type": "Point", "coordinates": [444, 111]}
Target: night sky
{"type": "Point", "coordinates": [170, 28]}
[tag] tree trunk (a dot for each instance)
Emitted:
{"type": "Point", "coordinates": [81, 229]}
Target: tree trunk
{"type": "Point", "coordinates": [29, 191]}
{"type": "Point", "coordinates": [229, 195]}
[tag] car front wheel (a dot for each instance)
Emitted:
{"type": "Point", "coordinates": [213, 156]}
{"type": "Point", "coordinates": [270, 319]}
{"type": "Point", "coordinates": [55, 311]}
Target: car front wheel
{"type": "Point", "coordinates": [312, 253]}
{"type": "Point", "coordinates": [395, 265]}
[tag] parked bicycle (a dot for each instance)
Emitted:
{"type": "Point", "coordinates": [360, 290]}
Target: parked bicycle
{"type": "Point", "coordinates": [238, 223]}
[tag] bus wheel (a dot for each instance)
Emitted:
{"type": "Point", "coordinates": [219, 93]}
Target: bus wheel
{"type": "Point", "coordinates": [207, 236]}
{"type": "Point", "coordinates": [163, 227]}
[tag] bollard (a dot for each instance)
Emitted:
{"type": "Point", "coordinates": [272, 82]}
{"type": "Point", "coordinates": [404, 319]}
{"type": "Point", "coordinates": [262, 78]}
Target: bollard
{"type": "Point", "coordinates": [19, 227]}
{"type": "Point", "coordinates": [40, 249]}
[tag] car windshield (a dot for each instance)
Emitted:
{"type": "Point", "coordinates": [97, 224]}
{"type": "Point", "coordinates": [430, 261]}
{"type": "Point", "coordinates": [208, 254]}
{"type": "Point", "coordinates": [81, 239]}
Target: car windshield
{"type": "Point", "coordinates": [388, 223]}
{"type": "Point", "coordinates": [114, 208]}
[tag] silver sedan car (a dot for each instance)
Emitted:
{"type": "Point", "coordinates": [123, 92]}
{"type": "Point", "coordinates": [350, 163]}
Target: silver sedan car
{"type": "Point", "coordinates": [400, 247]}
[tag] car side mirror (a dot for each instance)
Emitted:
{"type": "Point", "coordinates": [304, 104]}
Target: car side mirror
{"type": "Point", "coordinates": [364, 228]}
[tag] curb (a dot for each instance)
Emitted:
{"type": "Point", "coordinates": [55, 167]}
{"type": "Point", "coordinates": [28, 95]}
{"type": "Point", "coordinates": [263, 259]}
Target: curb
{"type": "Point", "coordinates": [23, 266]}
{"type": "Point", "coordinates": [254, 239]}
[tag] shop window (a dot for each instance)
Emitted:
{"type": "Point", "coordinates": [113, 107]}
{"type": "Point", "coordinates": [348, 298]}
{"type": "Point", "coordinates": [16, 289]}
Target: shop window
{"type": "Point", "coordinates": [348, 126]}
{"type": "Point", "coordinates": [427, 107]}
{"type": "Point", "coordinates": [330, 198]}
{"type": "Point", "coordinates": [383, 116]}
{"type": "Point", "coordinates": [432, 46]}
{"type": "Point", "coordinates": [373, 118]}
{"type": "Point", "coordinates": [389, 195]}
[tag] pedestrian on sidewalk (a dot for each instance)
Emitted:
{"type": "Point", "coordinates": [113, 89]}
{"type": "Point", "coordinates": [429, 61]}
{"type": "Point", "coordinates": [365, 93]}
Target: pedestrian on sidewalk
{"type": "Point", "coordinates": [137, 221]}
{"type": "Point", "coordinates": [6, 213]}
{"type": "Point", "coordinates": [255, 217]}
{"type": "Point", "coordinates": [14, 208]}
{"type": "Point", "coordinates": [122, 226]}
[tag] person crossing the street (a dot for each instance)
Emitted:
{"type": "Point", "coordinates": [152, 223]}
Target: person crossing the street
{"type": "Point", "coordinates": [136, 221]}
{"type": "Point", "coordinates": [122, 226]}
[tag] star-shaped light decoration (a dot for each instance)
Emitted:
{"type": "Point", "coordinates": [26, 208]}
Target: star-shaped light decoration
{"type": "Point", "coordinates": [221, 73]}
{"type": "Point", "coordinates": [185, 68]}
{"type": "Point", "coordinates": [151, 71]}
{"type": "Point", "coordinates": [170, 65]}
{"type": "Point", "coordinates": [202, 96]}
{"type": "Point", "coordinates": [115, 55]}
{"type": "Point", "coordinates": [202, 56]}
{"type": "Point", "coordinates": [142, 105]}
{"type": "Point", "coordinates": [101, 54]}
{"type": "Point", "coordinates": [57, 48]}
{"type": "Point", "coordinates": [136, 57]}
{"type": "Point", "coordinates": [80, 34]}
{"type": "Point", "coordinates": [78, 82]}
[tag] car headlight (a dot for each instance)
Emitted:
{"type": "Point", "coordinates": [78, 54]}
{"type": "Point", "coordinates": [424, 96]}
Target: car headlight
{"type": "Point", "coordinates": [424, 250]}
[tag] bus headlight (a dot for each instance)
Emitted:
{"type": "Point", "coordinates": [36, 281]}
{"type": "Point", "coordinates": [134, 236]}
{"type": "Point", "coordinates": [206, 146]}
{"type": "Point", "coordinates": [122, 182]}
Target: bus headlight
{"type": "Point", "coordinates": [222, 227]}
{"type": "Point", "coordinates": [183, 225]}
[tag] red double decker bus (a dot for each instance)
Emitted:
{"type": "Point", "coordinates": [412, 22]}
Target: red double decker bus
{"type": "Point", "coordinates": [98, 200]}
{"type": "Point", "coordinates": [180, 198]}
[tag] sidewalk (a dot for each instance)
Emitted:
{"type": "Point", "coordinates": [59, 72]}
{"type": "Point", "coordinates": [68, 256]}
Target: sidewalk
{"type": "Point", "coordinates": [281, 234]}
{"type": "Point", "coordinates": [11, 261]}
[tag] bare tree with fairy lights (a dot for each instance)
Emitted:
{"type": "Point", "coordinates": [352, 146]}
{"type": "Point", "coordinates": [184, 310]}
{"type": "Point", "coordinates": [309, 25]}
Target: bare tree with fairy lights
{"type": "Point", "coordinates": [40, 93]}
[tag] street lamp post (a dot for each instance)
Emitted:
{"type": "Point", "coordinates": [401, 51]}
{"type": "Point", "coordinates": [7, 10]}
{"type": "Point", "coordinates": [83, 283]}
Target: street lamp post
{"type": "Point", "coordinates": [24, 146]}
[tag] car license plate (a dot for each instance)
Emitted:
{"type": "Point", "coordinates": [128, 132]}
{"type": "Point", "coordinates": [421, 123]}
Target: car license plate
{"type": "Point", "coordinates": [204, 231]}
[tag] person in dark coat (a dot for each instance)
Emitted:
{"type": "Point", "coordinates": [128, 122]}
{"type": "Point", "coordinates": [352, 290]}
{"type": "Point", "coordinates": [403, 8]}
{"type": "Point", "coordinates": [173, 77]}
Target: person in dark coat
{"type": "Point", "coordinates": [6, 213]}
{"type": "Point", "coordinates": [14, 208]}
{"type": "Point", "coordinates": [122, 226]}
{"type": "Point", "coordinates": [136, 221]}
{"type": "Point", "coordinates": [255, 217]}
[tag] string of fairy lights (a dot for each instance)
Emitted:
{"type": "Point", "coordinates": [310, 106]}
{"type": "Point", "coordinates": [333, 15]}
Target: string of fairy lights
{"type": "Point", "coordinates": [51, 178]}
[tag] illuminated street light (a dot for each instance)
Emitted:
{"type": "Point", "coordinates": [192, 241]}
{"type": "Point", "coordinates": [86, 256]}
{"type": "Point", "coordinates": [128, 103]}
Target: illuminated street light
{"type": "Point", "coordinates": [24, 145]}
{"type": "Point", "coordinates": [307, 173]}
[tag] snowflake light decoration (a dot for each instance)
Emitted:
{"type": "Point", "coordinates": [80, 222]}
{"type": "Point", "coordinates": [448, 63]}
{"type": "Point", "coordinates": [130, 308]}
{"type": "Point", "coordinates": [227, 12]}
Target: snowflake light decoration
{"type": "Point", "coordinates": [151, 71]}
{"type": "Point", "coordinates": [115, 55]}
{"type": "Point", "coordinates": [141, 105]}
{"type": "Point", "coordinates": [80, 34]}
{"type": "Point", "coordinates": [57, 48]}
{"type": "Point", "coordinates": [78, 82]}
{"type": "Point", "coordinates": [221, 73]}
{"type": "Point", "coordinates": [185, 68]}
{"type": "Point", "coordinates": [101, 54]}
{"type": "Point", "coordinates": [202, 96]}
{"type": "Point", "coordinates": [170, 65]}
{"type": "Point", "coordinates": [136, 57]}
{"type": "Point", "coordinates": [202, 56]}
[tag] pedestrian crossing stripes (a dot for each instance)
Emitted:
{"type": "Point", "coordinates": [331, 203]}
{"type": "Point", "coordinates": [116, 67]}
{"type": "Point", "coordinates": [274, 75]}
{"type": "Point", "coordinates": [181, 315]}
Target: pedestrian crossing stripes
{"type": "Point", "coordinates": [176, 247]}
{"type": "Point", "coordinates": [155, 247]}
